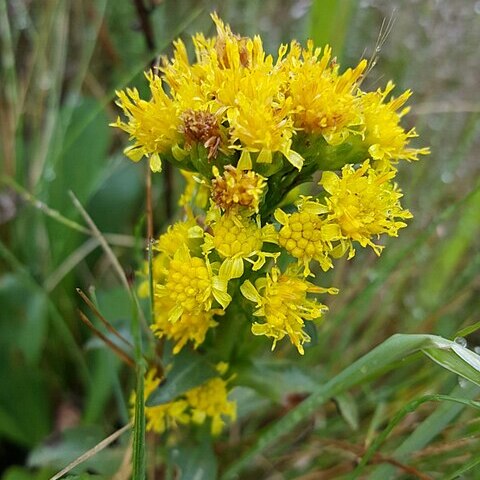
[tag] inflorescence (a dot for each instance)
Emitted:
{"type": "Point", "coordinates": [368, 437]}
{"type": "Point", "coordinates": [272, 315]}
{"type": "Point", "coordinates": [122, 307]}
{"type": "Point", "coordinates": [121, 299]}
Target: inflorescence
{"type": "Point", "coordinates": [246, 129]}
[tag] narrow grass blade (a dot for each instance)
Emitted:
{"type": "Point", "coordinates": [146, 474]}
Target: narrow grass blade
{"type": "Point", "coordinates": [428, 429]}
{"type": "Point", "coordinates": [101, 239]}
{"type": "Point", "coordinates": [50, 212]}
{"type": "Point", "coordinates": [103, 444]}
{"type": "Point", "coordinates": [468, 330]}
{"type": "Point", "coordinates": [57, 319]}
{"type": "Point", "coordinates": [139, 456]}
{"type": "Point", "coordinates": [451, 253]}
{"type": "Point", "coordinates": [8, 56]}
{"type": "Point", "coordinates": [121, 354]}
{"type": "Point", "coordinates": [377, 361]}
{"type": "Point", "coordinates": [105, 322]}
{"type": "Point", "coordinates": [139, 447]}
{"type": "Point", "coordinates": [139, 443]}
{"type": "Point", "coordinates": [70, 263]}
{"type": "Point", "coordinates": [464, 468]}
{"type": "Point", "coordinates": [329, 21]}
{"type": "Point", "coordinates": [58, 143]}
{"type": "Point", "coordinates": [408, 408]}
{"type": "Point", "coordinates": [112, 238]}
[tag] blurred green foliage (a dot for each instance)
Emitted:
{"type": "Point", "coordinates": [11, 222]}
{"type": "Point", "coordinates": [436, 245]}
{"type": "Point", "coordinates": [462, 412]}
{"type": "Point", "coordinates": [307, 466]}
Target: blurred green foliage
{"type": "Point", "coordinates": [63, 392]}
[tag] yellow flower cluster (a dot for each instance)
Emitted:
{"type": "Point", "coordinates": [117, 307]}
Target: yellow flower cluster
{"type": "Point", "coordinates": [235, 238]}
{"type": "Point", "coordinates": [207, 402]}
{"type": "Point", "coordinates": [237, 188]}
{"type": "Point", "coordinates": [235, 101]}
{"type": "Point", "coordinates": [281, 300]}
{"type": "Point", "coordinates": [186, 287]}
{"type": "Point", "coordinates": [251, 127]}
{"type": "Point", "coordinates": [246, 128]}
{"type": "Point", "coordinates": [363, 203]}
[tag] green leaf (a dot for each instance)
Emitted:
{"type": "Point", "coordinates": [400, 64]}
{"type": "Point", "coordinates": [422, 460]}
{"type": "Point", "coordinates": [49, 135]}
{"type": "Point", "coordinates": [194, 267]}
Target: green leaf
{"type": "Point", "coordinates": [58, 322]}
{"type": "Point", "coordinates": [196, 462]}
{"type": "Point", "coordinates": [78, 166]}
{"type": "Point", "coordinates": [285, 378]}
{"type": "Point", "coordinates": [348, 409]}
{"type": "Point", "coordinates": [104, 371]}
{"type": "Point", "coordinates": [189, 370]}
{"type": "Point", "coordinates": [458, 360]}
{"type": "Point", "coordinates": [468, 330]}
{"type": "Point", "coordinates": [116, 200]}
{"type": "Point", "coordinates": [329, 21]}
{"type": "Point", "coordinates": [25, 410]}
{"type": "Point", "coordinates": [73, 443]}
{"type": "Point", "coordinates": [23, 317]}
{"type": "Point", "coordinates": [20, 473]}
{"type": "Point", "coordinates": [249, 403]}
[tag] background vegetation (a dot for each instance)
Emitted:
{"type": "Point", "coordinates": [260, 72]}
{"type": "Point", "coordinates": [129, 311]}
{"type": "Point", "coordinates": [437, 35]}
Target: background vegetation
{"type": "Point", "coordinates": [63, 390]}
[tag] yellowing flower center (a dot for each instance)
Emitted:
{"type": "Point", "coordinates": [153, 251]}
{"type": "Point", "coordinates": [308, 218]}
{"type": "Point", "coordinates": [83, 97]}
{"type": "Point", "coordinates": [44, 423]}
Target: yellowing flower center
{"type": "Point", "coordinates": [188, 283]}
{"type": "Point", "coordinates": [237, 188]}
{"type": "Point", "coordinates": [302, 236]}
{"type": "Point", "coordinates": [236, 237]}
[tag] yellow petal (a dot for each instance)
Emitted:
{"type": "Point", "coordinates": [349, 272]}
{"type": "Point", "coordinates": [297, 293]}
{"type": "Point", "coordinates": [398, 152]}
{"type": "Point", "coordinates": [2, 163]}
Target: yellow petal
{"type": "Point", "coordinates": [231, 268]}
{"type": "Point", "coordinates": [280, 216]}
{"type": "Point", "coordinates": [245, 162]}
{"type": "Point", "coordinates": [155, 163]}
{"type": "Point", "coordinates": [265, 156]}
{"type": "Point", "coordinates": [250, 292]}
{"type": "Point", "coordinates": [295, 159]}
{"type": "Point", "coordinates": [179, 153]}
{"type": "Point", "coordinates": [133, 153]}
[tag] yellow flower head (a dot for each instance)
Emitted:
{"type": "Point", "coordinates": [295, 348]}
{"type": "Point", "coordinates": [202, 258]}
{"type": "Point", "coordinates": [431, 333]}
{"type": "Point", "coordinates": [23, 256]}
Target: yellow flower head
{"type": "Point", "coordinates": [207, 401]}
{"type": "Point", "coordinates": [364, 204]}
{"type": "Point", "coordinates": [246, 89]}
{"type": "Point", "coordinates": [247, 108]}
{"type": "Point", "coordinates": [236, 237]}
{"type": "Point", "coordinates": [182, 234]}
{"type": "Point", "coordinates": [323, 100]}
{"type": "Point", "coordinates": [185, 287]}
{"type": "Point", "coordinates": [190, 327]}
{"type": "Point", "coordinates": [385, 136]}
{"type": "Point", "coordinates": [282, 302]}
{"type": "Point", "coordinates": [177, 235]}
{"type": "Point", "coordinates": [153, 125]}
{"type": "Point", "coordinates": [234, 51]}
{"type": "Point", "coordinates": [201, 127]}
{"type": "Point", "coordinates": [306, 235]}
{"type": "Point", "coordinates": [260, 119]}
{"type": "Point", "coordinates": [210, 400]}
{"type": "Point", "coordinates": [159, 263]}
{"type": "Point", "coordinates": [237, 188]}
{"type": "Point", "coordinates": [191, 286]}
{"type": "Point", "coordinates": [162, 417]}
{"type": "Point", "coordinates": [188, 83]}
